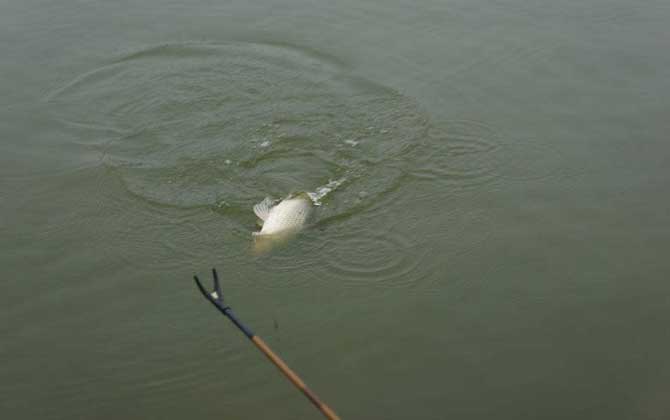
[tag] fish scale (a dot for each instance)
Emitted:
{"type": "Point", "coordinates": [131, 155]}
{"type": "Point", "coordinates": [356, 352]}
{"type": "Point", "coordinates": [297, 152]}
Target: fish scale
{"type": "Point", "coordinates": [289, 215]}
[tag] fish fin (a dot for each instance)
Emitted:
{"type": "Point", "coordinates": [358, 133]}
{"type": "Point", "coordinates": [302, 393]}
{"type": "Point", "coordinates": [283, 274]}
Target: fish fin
{"type": "Point", "coordinates": [262, 209]}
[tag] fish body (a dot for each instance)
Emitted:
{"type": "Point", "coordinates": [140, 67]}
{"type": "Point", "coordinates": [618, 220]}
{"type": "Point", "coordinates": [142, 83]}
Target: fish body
{"type": "Point", "coordinates": [288, 216]}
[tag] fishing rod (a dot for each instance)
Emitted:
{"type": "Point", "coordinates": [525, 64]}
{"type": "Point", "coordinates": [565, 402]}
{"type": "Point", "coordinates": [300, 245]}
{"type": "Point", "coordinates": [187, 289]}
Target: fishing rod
{"type": "Point", "coordinates": [216, 298]}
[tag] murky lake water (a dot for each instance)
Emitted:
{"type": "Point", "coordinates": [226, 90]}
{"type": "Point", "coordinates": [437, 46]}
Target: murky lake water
{"type": "Point", "coordinates": [493, 241]}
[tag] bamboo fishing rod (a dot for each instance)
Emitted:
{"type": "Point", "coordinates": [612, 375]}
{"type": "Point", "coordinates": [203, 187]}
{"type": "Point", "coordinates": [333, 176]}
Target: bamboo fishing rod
{"type": "Point", "coordinates": [216, 298]}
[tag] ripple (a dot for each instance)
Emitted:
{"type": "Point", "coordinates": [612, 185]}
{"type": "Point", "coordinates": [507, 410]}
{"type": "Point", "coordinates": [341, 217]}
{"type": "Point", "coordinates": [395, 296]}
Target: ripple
{"type": "Point", "coordinates": [468, 154]}
{"type": "Point", "coordinates": [461, 154]}
{"type": "Point", "coordinates": [384, 258]}
{"type": "Point", "coordinates": [530, 160]}
{"type": "Point", "coordinates": [197, 124]}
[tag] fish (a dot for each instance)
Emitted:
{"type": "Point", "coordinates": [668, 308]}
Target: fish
{"type": "Point", "coordinates": [283, 219]}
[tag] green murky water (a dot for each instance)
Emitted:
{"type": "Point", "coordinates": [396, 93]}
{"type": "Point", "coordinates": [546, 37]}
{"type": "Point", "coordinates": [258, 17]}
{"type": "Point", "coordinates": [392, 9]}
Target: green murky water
{"type": "Point", "coordinates": [491, 239]}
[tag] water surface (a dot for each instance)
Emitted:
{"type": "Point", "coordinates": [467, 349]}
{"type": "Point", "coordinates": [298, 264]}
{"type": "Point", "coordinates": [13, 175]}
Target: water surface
{"type": "Point", "coordinates": [493, 224]}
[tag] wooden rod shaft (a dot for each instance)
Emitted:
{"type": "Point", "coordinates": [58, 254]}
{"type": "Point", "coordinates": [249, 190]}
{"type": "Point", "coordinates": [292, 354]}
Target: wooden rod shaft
{"type": "Point", "coordinates": [294, 378]}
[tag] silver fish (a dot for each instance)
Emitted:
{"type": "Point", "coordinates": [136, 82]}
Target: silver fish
{"type": "Point", "coordinates": [288, 216]}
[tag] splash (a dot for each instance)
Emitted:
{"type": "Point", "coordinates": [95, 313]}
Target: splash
{"type": "Point", "coordinates": [324, 190]}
